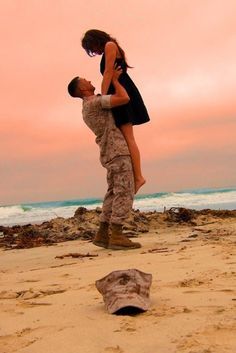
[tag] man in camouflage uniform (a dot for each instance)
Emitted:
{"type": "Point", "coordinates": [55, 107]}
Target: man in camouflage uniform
{"type": "Point", "coordinates": [114, 156]}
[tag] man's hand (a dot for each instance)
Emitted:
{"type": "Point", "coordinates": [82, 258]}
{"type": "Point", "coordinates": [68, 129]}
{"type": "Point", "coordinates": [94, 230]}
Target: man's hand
{"type": "Point", "coordinates": [120, 96]}
{"type": "Point", "coordinates": [117, 72]}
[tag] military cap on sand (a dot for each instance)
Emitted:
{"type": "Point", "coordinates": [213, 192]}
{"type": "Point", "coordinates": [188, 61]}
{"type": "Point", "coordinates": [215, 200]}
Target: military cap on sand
{"type": "Point", "coordinates": [125, 289]}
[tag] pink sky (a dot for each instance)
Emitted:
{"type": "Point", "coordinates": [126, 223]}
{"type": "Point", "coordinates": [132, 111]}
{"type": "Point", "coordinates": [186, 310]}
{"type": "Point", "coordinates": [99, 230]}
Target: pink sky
{"type": "Point", "coordinates": [184, 55]}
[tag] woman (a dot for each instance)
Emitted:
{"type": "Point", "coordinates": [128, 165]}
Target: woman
{"type": "Point", "coordinates": [96, 42]}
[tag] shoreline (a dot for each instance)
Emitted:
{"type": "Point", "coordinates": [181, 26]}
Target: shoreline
{"type": "Point", "coordinates": [227, 206]}
{"type": "Point", "coordinates": [84, 223]}
{"type": "Point", "coordinates": [49, 301]}
{"type": "Point", "coordinates": [198, 199]}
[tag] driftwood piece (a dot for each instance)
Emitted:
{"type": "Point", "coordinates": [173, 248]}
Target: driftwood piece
{"type": "Point", "coordinates": [75, 255]}
{"type": "Point", "coordinates": [159, 250]}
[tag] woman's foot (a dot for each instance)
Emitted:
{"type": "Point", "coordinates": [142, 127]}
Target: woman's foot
{"type": "Point", "coordinates": [139, 183]}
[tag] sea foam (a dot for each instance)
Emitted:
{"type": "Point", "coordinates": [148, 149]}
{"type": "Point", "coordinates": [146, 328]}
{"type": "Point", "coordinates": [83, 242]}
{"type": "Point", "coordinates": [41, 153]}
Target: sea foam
{"type": "Point", "coordinates": [223, 198]}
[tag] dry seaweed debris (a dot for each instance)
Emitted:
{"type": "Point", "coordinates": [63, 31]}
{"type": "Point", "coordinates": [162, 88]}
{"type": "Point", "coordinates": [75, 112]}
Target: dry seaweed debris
{"type": "Point", "coordinates": [180, 215]}
{"type": "Point", "coordinates": [85, 223]}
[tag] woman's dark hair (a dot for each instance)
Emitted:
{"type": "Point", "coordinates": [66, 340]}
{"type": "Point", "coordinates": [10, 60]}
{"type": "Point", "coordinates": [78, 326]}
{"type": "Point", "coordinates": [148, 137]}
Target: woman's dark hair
{"type": "Point", "coordinates": [96, 39]}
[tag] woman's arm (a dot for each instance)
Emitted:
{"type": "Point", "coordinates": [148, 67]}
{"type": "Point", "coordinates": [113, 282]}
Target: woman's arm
{"type": "Point", "coordinates": [120, 96]}
{"type": "Point", "coordinates": [110, 57]}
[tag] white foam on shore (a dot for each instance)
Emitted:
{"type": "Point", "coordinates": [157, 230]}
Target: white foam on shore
{"type": "Point", "coordinates": [23, 214]}
{"type": "Point", "coordinates": [188, 200]}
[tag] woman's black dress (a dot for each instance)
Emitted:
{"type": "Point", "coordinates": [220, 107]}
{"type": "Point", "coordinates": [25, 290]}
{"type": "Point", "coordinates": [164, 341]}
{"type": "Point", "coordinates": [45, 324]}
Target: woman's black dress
{"type": "Point", "coordinates": [133, 112]}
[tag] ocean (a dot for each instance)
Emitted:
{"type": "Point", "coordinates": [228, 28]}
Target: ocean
{"type": "Point", "coordinates": [218, 198]}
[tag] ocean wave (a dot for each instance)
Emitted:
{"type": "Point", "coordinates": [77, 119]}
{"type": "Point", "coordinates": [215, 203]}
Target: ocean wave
{"type": "Point", "coordinates": [196, 199]}
{"type": "Point", "coordinates": [206, 191]}
{"type": "Point", "coordinates": [150, 196]}
{"type": "Point", "coordinates": [80, 202]}
{"type": "Point", "coordinates": [12, 215]}
{"type": "Point", "coordinates": [12, 210]}
{"type": "Point", "coordinates": [188, 200]}
{"type": "Point", "coordinates": [64, 203]}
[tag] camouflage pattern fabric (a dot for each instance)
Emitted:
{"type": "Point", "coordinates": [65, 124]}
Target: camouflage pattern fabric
{"type": "Point", "coordinates": [98, 117]}
{"type": "Point", "coordinates": [118, 200]}
{"type": "Point", "coordinates": [124, 289]}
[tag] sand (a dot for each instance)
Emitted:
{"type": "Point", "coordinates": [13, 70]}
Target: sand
{"type": "Point", "coordinates": [51, 304]}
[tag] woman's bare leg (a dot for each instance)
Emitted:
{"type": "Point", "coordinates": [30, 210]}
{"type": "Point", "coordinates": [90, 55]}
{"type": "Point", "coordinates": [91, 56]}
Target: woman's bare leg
{"type": "Point", "coordinates": [127, 130]}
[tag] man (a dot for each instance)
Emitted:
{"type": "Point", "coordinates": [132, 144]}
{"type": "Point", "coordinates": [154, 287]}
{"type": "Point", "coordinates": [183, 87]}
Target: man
{"type": "Point", "coordinates": [114, 156]}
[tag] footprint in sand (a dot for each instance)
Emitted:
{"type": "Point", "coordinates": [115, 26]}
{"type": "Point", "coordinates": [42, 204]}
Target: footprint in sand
{"type": "Point", "coordinates": [128, 328]}
{"type": "Point", "coordinates": [226, 290]}
{"type": "Point", "coordinates": [29, 281]}
{"type": "Point", "coordinates": [211, 339]}
{"type": "Point", "coordinates": [29, 294]}
{"type": "Point", "coordinates": [116, 349]}
{"type": "Point", "coordinates": [8, 294]}
{"type": "Point", "coordinates": [16, 341]}
{"type": "Point", "coordinates": [192, 345]}
{"type": "Point", "coordinates": [164, 310]}
{"type": "Point", "coordinates": [193, 282]}
{"type": "Point", "coordinates": [32, 304]}
{"type": "Point", "coordinates": [90, 287]}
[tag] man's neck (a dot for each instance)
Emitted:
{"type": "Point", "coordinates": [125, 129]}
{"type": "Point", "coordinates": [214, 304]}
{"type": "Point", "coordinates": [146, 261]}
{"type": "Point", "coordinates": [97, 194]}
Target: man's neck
{"type": "Point", "coordinates": [88, 94]}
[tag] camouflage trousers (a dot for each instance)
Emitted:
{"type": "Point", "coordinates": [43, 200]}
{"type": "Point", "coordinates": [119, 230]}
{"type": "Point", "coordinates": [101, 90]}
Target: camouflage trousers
{"type": "Point", "coordinates": [119, 198]}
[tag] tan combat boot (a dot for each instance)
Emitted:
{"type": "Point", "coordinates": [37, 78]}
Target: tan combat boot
{"type": "Point", "coordinates": [102, 236]}
{"type": "Point", "coordinates": [118, 241]}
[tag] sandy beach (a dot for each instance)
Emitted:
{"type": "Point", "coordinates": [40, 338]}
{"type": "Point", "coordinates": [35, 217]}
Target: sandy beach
{"type": "Point", "coordinates": [49, 302]}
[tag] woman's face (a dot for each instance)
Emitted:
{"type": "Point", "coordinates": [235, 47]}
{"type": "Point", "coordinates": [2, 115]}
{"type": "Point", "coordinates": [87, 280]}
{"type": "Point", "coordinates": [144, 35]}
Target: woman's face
{"type": "Point", "coordinates": [97, 50]}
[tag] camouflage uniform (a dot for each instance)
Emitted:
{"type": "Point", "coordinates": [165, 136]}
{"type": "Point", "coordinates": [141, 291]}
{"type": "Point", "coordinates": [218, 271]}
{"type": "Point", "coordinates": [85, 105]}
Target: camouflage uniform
{"type": "Point", "coordinates": [114, 156]}
{"type": "Point", "coordinates": [119, 197]}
